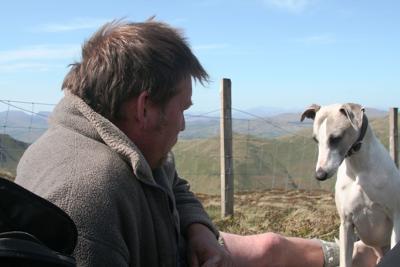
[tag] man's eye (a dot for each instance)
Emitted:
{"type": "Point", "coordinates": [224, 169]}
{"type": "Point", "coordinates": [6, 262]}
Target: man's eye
{"type": "Point", "coordinates": [334, 140]}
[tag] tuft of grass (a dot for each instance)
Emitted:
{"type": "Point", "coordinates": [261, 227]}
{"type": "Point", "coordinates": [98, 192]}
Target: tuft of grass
{"type": "Point", "coordinates": [308, 214]}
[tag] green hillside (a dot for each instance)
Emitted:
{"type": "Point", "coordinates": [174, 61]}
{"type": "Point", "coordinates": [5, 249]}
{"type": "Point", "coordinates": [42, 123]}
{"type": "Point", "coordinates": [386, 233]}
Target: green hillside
{"type": "Point", "coordinates": [286, 162]}
{"type": "Point", "coordinates": [259, 163]}
{"type": "Point", "coordinates": [11, 151]}
{"type": "Point", "coordinates": [381, 130]}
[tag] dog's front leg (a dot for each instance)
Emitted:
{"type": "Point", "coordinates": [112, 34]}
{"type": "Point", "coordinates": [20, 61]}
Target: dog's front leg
{"type": "Point", "coordinates": [346, 238]}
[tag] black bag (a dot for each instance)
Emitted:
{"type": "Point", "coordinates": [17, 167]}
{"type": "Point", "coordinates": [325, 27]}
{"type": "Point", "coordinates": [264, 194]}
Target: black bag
{"type": "Point", "coordinates": [33, 231]}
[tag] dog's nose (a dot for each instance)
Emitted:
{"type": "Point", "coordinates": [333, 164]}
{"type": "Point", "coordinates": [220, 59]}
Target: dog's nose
{"type": "Point", "coordinates": [321, 175]}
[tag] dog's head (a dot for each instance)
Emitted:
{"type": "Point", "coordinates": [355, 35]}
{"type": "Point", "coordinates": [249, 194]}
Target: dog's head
{"type": "Point", "coordinates": [336, 130]}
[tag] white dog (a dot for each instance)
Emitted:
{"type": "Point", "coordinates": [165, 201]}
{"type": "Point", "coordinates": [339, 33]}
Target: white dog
{"type": "Point", "coordinates": [367, 190]}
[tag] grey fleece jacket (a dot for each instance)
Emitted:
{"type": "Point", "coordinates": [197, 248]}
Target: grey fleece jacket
{"type": "Point", "coordinates": [126, 214]}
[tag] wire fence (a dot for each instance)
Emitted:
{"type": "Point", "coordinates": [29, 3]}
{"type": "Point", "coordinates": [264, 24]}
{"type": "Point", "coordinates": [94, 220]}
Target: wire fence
{"type": "Point", "coordinates": [21, 123]}
{"type": "Point", "coordinates": [268, 152]}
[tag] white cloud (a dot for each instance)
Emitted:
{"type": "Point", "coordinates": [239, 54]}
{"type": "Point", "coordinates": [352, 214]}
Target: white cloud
{"type": "Point", "coordinates": [322, 39]}
{"type": "Point", "coordinates": [295, 6]}
{"type": "Point", "coordinates": [37, 58]}
{"type": "Point", "coordinates": [74, 25]}
{"type": "Point", "coordinates": [40, 53]}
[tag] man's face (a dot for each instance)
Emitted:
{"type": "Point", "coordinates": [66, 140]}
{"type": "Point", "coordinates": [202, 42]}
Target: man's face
{"type": "Point", "coordinates": [164, 133]}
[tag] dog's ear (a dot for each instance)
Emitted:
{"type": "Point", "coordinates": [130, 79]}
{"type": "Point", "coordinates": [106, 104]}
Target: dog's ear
{"type": "Point", "coordinates": [310, 112]}
{"type": "Point", "coordinates": [354, 112]}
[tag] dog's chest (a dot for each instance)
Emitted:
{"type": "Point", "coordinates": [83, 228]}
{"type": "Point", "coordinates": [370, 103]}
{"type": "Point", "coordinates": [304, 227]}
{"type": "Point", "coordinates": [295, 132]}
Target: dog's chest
{"type": "Point", "coordinates": [351, 198]}
{"type": "Point", "coordinates": [359, 194]}
{"type": "Point", "coordinates": [369, 217]}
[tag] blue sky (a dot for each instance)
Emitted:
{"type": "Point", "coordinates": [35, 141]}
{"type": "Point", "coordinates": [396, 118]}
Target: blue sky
{"type": "Point", "coordinates": [278, 53]}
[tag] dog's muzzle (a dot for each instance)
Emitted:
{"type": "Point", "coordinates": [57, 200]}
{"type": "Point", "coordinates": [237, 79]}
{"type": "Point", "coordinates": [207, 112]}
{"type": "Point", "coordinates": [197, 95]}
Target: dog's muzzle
{"type": "Point", "coordinates": [321, 175]}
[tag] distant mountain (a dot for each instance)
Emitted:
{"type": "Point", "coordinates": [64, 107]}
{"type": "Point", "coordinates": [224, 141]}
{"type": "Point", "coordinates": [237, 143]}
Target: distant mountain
{"type": "Point", "coordinates": [250, 113]}
{"type": "Point", "coordinates": [255, 124]}
{"type": "Point", "coordinates": [261, 122]}
{"type": "Point", "coordinates": [267, 111]}
{"type": "Point", "coordinates": [375, 113]}
{"type": "Point", "coordinates": [23, 126]}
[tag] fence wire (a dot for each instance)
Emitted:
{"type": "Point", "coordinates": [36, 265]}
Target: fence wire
{"type": "Point", "coordinates": [268, 153]}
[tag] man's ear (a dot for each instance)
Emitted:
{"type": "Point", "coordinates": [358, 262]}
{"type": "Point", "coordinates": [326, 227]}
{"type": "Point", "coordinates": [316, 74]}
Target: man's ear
{"type": "Point", "coordinates": [142, 107]}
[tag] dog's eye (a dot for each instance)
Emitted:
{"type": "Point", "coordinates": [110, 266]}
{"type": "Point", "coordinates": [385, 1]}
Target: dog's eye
{"type": "Point", "coordinates": [315, 139]}
{"type": "Point", "coordinates": [334, 140]}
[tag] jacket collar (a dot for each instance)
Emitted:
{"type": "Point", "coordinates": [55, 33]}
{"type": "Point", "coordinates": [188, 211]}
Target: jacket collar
{"type": "Point", "coordinates": [110, 134]}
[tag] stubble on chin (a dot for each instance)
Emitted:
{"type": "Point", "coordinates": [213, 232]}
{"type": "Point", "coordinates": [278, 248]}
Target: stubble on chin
{"type": "Point", "coordinates": [162, 123]}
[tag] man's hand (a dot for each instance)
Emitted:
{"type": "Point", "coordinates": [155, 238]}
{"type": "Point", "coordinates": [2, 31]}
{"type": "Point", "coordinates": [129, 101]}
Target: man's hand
{"type": "Point", "coordinates": [204, 249]}
{"type": "Point", "coordinates": [365, 256]}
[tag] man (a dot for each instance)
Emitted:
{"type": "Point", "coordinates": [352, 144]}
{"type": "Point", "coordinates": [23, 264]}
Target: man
{"type": "Point", "coordinates": [105, 157]}
{"type": "Point", "coordinates": [106, 160]}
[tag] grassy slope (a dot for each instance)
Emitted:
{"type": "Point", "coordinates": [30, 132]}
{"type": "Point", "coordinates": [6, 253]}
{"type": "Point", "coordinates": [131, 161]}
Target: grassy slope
{"type": "Point", "coordinates": [259, 163]}
{"type": "Point", "coordinates": [11, 151]}
{"type": "Point", "coordinates": [284, 162]}
{"type": "Point", "coordinates": [310, 214]}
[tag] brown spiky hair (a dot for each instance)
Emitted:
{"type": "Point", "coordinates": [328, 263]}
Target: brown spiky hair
{"type": "Point", "coordinates": [123, 59]}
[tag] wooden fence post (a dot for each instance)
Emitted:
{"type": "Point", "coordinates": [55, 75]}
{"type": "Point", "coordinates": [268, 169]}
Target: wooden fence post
{"type": "Point", "coordinates": [226, 149]}
{"type": "Point", "coordinates": [393, 135]}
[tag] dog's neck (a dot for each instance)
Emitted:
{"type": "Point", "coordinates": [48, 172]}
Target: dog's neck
{"type": "Point", "coordinates": [366, 156]}
{"type": "Point", "coordinates": [357, 145]}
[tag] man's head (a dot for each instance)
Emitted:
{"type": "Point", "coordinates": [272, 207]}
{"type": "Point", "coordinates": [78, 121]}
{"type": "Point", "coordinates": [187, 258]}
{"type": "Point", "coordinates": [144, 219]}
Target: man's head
{"type": "Point", "coordinates": [139, 76]}
{"type": "Point", "coordinates": [122, 60]}
{"type": "Point", "coordinates": [155, 129]}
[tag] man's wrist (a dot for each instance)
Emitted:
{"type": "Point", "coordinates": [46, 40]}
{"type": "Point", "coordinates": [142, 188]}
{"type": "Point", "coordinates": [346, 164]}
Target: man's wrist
{"type": "Point", "coordinates": [195, 229]}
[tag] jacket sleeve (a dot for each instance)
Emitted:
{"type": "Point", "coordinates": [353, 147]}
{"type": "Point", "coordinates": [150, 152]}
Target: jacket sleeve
{"type": "Point", "coordinates": [189, 207]}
